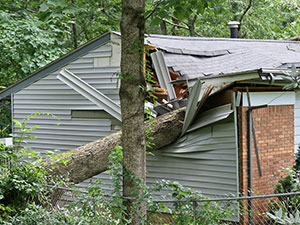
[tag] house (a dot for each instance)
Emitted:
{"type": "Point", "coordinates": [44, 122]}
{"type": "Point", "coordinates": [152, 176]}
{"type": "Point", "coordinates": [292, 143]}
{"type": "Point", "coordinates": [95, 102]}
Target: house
{"type": "Point", "coordinates": [214, 153]}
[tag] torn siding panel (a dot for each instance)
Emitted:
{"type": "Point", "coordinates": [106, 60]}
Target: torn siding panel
{"type": "Point", "coordinates": [85, 72]}
{"type": "Point", "coordinates": [50, 95]}
{"type": "Point", "coordinates": [211, 116]}
{"type": "Point", "coordinates": [207, 155]}
{"type": "Point", "coordinates": [204, 159]}
{"type": "Point", "coordinates": [162, 73]}
{"type": "Point", "coordinates": [192, 106]}
{"type": "Point", "coordinates": [206, 145]}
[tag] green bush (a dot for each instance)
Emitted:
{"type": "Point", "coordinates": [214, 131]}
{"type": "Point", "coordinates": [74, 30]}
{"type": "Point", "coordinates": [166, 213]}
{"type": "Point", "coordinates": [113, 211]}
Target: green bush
{"type": "Point", "coordinates": [285, 209]}
{"type": "Point", "coordinates": [280, 216]}
{"type": "Point", "coordinates": [20, 181]}
{"type": "Point", "coordinates": [23, 178]}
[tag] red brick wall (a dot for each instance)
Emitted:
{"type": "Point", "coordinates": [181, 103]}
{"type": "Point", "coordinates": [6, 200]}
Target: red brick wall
{"type": "Point", "coordinates": [274, 128]}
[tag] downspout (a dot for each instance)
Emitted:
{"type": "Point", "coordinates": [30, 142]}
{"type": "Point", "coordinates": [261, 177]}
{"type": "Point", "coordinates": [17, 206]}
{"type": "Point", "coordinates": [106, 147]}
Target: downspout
{"type": "Point", "coordinates": [250, 181]}
{"type": "Point", "coordinates": [251, 134]}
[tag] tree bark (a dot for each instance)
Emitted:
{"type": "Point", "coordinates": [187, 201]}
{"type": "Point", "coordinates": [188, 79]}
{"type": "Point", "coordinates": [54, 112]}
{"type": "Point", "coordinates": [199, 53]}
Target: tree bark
{"type": "Point", "coordinates": [132, 97]}
{"type": "Point", "coordinates": [242, 17]}
{"type": "Point", "coordinates": [174, 28]}
{"type": "Point", "coordinates": [91, 159]}
{"type": "Point", "coordinates": [163, 28]}
{"type": "Point", "coordinates": [191, 25]}
{"type": "Point", "coordinates": [74, 29]}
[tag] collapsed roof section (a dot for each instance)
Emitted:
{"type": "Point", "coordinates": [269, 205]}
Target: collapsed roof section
{"type": "Point", "coordinates": [218, 64]}
{"type": "Point", "coordinates": [194, 57]}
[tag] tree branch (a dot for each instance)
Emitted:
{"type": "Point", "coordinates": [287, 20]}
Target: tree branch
{"type": "Point", "coordinates": [163, 28]}
{"type": "Point", "coordinates": [4, 105]}
{"type": "Point", "coordinates": [189, 26]}
{"type": "Point", "coordinates": [31, 11]}
{"type": "Point", "coordinates": [175, 25]}
{"type": "Point", "coordinates": [109, 15]}
{"type": "Point", "coordinates": [154, 9]}
{"type": "Point", "coordinates": [74, 30]}
{"type": "Point", "coordinates": [245, 12]}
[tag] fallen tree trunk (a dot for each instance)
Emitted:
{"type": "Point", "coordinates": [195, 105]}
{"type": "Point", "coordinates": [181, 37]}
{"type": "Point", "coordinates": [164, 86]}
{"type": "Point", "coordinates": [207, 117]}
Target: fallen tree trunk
{"type": "Point", "coordinates": [91, 159]}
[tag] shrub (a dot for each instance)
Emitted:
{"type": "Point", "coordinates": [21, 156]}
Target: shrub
{"type": "Point", "coordinates": [284, 210]}
{"type": "Point", "coordinates": [20, 181]}
{"type": "Point", "coordinates": [23, 178]}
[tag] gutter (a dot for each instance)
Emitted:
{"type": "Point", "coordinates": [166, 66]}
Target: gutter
{"type": "Point", "coordinates": [266, 74]}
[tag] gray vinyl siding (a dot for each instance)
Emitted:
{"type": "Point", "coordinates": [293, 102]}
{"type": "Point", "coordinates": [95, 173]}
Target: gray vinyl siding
{"type": "Point", "coordinates": [50, 95]}
{"type": "Point", "coordinates": [206, 161]}
{"type": "Point", "coordinates": [297, 120]}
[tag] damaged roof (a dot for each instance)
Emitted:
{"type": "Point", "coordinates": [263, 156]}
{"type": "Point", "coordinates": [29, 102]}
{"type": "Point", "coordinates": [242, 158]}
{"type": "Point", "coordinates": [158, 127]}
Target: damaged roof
{"type": "Point", "coordinates": [195, 57]}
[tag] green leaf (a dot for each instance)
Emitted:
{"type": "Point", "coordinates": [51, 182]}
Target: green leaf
{"type": "Point", "coordinates": [44, 7]}
{"type": "Point", "coordinates": [297, 216]}
{"type": "Point", "coordinates": [58, 3]}
{"type": "Point", "coordinates": [156, 21]}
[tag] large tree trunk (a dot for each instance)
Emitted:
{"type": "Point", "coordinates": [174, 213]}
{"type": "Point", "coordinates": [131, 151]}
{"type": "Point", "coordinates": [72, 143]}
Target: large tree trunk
{"type": "Point", "coordinates": [132, 97]}
{"type": "Point", "coordinates": [91, 159]}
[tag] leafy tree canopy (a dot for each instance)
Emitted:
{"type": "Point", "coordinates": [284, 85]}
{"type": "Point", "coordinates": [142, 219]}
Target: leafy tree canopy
{"type": "Point", "coordinates": [35, 32]}
{"type": "Point", "coordinates": [264, 19]}
{"type": "Point", "coordinates": [26, 44]}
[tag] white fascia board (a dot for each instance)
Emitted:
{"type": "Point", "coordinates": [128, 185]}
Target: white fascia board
{"type": "Point", "coordinates": [90, 93]}
{"type": "Point", "coordinates": [222, 81]}
{"type": "Point", "coordinates": [269, 98]}
{"type": "Point", "coordinates": [162, 73]}
{"type": "Point", "coordinates": [213, 80]}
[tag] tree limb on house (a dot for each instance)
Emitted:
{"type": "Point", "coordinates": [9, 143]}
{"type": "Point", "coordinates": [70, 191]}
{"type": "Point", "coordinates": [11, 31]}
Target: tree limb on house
{"type": "Point", "coordinates": [91, 159]}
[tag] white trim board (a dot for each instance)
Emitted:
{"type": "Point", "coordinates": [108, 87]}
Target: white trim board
{"type": "Point", "coordinates": [269, 98]}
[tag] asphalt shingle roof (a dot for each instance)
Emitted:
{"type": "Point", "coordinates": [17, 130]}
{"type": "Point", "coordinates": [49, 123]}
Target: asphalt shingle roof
{"type": "Point", "coordinates": [197, 57]}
